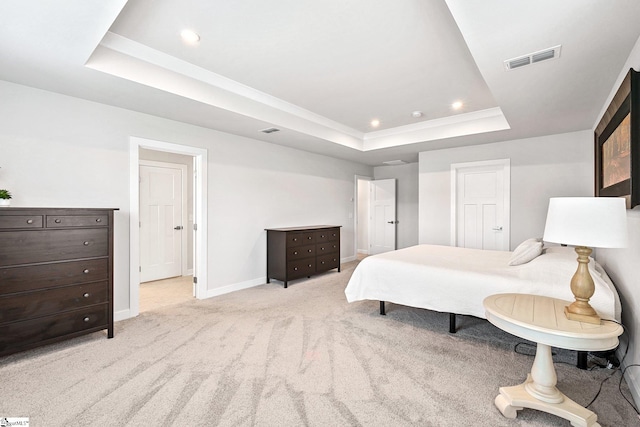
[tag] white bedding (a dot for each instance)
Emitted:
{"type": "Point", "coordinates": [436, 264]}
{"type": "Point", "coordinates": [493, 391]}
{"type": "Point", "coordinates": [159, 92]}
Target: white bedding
{"type": "Point", "coordinates": [457, 280]}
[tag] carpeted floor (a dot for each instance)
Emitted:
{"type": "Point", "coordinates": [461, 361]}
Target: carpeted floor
{"type": "Point", "coordinates": [301, 356]}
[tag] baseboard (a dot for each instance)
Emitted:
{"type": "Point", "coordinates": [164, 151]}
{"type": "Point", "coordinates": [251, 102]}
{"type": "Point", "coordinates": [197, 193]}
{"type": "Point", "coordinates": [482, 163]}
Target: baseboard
{"type": "Point", "coordinates": [348, 259]}
{"type": "Point", "coordinates": [632, 376]}
{"type": "Point", "coordinates": [235, 287]}
{"type": "Point", "coordinates": [363, 251]}
{"type": "Point", "coordinates": [189, 272]}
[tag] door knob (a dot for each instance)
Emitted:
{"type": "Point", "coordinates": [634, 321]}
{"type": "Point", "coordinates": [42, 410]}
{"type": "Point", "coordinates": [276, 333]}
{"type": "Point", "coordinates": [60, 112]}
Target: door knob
{"type": "Point", "coordinates": [392, 222]}
{"type": "Point", "coordinates": [178, 227]}
{"type": "Point", "coordinates": [497, 228]}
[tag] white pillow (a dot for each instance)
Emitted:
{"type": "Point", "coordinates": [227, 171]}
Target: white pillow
{"type": "Point", "coordinates": [526, 251]}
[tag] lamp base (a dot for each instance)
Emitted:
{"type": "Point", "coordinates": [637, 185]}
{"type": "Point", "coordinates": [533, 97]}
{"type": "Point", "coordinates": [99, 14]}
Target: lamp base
{"type": "Point", "coordinates": [587, 318]}
{"type": "Point", "coordinates": [582, 288]}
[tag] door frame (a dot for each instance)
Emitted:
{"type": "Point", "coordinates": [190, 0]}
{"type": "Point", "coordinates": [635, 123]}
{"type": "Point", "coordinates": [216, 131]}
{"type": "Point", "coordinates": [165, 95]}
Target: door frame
{"type": "Point", "coordinates": [183, 205]}
{"type": "Point", "coordinates": [200, 214]}
{"type": "Point", "coordinates": [505, 164]}
{"type": "Point", "coordinates": [356, 213]}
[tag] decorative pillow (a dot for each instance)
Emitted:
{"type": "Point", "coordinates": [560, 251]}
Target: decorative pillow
{"type": "Point", "coordinates": [526, 251]}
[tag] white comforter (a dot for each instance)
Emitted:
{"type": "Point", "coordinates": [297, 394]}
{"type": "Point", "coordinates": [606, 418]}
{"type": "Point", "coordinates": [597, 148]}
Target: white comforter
{"type": "Point", "coordinates": [457, 280]}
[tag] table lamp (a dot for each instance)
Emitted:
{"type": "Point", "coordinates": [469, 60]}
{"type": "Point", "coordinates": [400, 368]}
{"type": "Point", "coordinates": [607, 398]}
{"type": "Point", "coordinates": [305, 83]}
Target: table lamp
{"type": "Point", "coordinates": [586, 222]}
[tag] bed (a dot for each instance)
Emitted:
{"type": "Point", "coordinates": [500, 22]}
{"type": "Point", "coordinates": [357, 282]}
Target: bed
{"type": "Point", "coordinates": [456, 280]}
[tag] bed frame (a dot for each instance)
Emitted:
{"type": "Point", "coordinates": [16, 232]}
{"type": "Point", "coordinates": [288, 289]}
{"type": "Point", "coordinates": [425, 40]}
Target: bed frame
{"type": "Point", "coordinates": [581, 362]}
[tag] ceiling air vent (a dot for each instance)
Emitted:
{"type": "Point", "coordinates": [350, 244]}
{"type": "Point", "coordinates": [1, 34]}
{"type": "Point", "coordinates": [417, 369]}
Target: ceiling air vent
{"type": "Point", "coordinates": [270, 130]}
{"type": "Point", "coordinates": [532, 58]}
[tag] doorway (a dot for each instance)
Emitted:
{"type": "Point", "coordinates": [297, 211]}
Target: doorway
{"type": "Point", "coordinates": [166, 216]}
{"type": "Point", "coordinates": [375, 216]}
{"type": "Point", "coordinates": [480, 205]}
{"type": "Point", "coordinates": [361, 217]}
{"type": "Point", "coordinates": [197, 228]}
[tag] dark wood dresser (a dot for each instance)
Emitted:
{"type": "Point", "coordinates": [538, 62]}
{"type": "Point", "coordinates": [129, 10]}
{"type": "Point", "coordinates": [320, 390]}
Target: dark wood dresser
{"type": "Point", "coordinates": [56, 275]}
{"type": "Point", "coordinates": [297, 252]}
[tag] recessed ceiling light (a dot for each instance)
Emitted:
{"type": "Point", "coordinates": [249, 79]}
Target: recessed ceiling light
{"type": "Point", "coordinates": [375, 123]}
{"type": "Point", "coordinates": [416, 114]}
{"type": "Point", "coordinates": [457, 105]}
{"type": "Point", "coordinates": [190, 36]}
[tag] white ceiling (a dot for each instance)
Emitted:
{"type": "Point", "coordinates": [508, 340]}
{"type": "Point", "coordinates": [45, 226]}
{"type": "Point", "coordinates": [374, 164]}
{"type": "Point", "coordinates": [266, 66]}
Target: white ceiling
{"type": "Point", "coordinates": [321, 71]}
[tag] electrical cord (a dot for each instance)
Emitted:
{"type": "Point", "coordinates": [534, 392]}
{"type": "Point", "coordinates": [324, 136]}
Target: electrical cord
{"type": "Point", "coordinates": [620, 388]}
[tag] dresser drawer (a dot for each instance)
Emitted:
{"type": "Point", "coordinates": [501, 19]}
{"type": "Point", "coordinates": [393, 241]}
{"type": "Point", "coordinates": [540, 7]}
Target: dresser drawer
{"type": "Point", "coordinates": [298, 252]}
{"type": "Point", "coordinates": [51, 301]}
{"type": "Point", "coordinates": [327, 248]}
{"type": "Point", "coordinates": [322, 236]}
{"type": "Point", "coordinates": [301, 268]}
{"type": "Point", "coordinates": [328, 262]}
{"type": "Point", "coordinates": [20, 221]}
{"type": "Point", "coordinates": [334, 234]}
{"type": "Point", "coordinates": [40, 276]}
{"type": "Point", "coordinates": [59, 221]}
{"type": "Point", "coordinates": [299, 239]}
{"type": "Point", "coordinates": [29, 333]}
{"type": "Point", "coordinates": [20, 247]}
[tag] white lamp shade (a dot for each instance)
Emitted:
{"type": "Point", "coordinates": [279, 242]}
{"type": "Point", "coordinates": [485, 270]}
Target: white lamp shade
{"type": "Point", "coordinates": [598, 222]}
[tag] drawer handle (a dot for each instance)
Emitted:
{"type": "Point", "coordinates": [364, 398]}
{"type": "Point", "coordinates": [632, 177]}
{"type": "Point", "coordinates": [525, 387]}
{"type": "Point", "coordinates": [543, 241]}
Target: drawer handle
{"type": "Point", "coordinates": [86, 319]}
{"type": "Point", "coordinates": [98, 219]}
{"type": "Point", "coordinates": [86, 295]}
{"type": "Point", "coordinates": [322, 248]}
{"type": "Point", "coordinates": [295, 239]}
{"type": "Point", "coordinates": [309, 265]}
{"type": "Point", "coordinates": [86, 243]}
{"type": "Point", "coordinates": [295, 253]}
{"type": "Point", "coordinates": [309, 237]}
{"type": "Point", "coordinates": [309, 250]}
{"type": "Point", "coordinates": [322, 236]}
{"type": "Point", "coordinates": [57, 221]}
{"type": "Point", "coordinates": [29, 221]}
{"type": "Point", "coordinates": [85, 271]}
{"type": "Point", "coordinates": [295, 268]}
{"type": "Point", "coordinates": [322, 262]}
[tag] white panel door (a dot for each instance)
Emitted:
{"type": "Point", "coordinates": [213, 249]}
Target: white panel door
{"type": "Point", "coordinates": [481, 206]}
{"type": "Point", "coordinates": [160, 222]}
{"type": "Point", "coordinates": [382, 226]}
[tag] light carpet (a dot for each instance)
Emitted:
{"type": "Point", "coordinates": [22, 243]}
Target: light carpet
{"type": "Point", "coordinates": [301, 356]}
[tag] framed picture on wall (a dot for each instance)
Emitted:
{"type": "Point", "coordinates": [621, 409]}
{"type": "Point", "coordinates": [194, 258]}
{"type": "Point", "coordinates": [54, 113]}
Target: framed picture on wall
{"type": "Point", "coordinates": [617, 144]}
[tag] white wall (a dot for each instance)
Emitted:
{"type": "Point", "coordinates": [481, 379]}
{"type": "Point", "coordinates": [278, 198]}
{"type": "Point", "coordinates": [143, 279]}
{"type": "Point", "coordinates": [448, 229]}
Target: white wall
{"type": "Point", "coordinates": [543, 167]}
{"type": "Point", "coordinates": [622, 264]}
{"type": "Point", "coordinates": [406, 200]}
{"type": "Point", "coordinates": [61, 151]}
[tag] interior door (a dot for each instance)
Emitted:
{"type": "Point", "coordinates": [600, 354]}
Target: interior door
{"type": "Point", "coordinates": [482, 198]}
{"type": "Point", "coordinates": [382, 226]}
{"type": "Point", "coordinates": [161, 225]}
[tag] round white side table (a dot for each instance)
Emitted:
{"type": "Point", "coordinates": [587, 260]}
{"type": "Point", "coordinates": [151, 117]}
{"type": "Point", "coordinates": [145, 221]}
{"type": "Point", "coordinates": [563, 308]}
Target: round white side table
{"type": "Point", "coordinates": [541, 319]}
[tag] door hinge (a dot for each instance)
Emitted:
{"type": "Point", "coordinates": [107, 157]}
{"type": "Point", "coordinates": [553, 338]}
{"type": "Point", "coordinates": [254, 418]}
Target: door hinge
{"type": "Point", "coordinates": [195, 227]}
{"type": "Point", "coordinates": [195, 279]}
{"type": "Point", "coordinates": [140, 269]}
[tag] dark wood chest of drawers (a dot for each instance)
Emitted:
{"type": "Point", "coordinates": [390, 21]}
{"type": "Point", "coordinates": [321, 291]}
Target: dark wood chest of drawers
{"type": "Point", "coordinates": [56, 275]}
{"type": "Point", "coordinates": [297, 252]}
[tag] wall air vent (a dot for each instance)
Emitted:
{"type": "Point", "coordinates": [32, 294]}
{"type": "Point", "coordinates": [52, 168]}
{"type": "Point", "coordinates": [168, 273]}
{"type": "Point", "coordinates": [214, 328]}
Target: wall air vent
{"type": "Point", "coordinates": [394, 162]}
{"type": "Point", "coordinates": [532, 58]}
{"type": "Point", "coordinates": [270, 130]}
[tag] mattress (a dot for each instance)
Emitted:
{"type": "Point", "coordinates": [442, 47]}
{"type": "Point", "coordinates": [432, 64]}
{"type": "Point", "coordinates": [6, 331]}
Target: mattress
{"type": "Point", "coordinates": [457, 280]}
